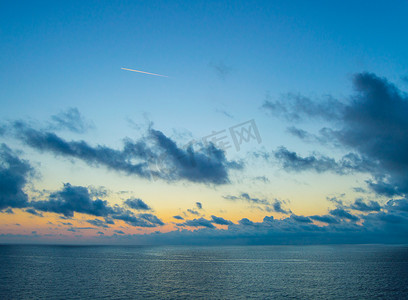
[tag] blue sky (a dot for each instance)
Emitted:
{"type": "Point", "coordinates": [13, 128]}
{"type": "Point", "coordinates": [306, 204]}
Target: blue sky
{"type": "Point", "coordinates": [294, 67]}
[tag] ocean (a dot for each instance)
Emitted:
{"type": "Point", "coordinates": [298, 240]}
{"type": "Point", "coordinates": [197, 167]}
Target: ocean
{"type": "Point", "coordinates": [196, 272]}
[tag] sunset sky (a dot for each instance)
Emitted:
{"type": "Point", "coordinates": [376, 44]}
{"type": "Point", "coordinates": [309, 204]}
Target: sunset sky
{"type": "Point", "coordinates": [277, 122]}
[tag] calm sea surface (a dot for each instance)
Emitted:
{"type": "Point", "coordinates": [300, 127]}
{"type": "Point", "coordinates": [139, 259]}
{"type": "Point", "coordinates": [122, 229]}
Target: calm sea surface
{"type": "Point", "coordinates": [265, 272]}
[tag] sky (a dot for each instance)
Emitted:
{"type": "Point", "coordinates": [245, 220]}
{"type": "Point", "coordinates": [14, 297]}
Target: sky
{"type": "Point", "coordinates": [274, 122]}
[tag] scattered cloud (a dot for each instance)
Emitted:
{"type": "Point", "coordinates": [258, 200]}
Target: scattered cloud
{"type": "Point", "coordinates": [220, 221]}
{"type": "Point", "coordinates": [375, 113]}
{"type": "Point", "coordinates": [193, 212]}
{"type": "Point", "coordinates": [201, 222]}
{"type": "Point", "coordinates": [221, 69]}
{"type": "Point", "coordinates": [360, 205]}
{"type": "Point", "coordinates": [137, 204]}
{"type": "Point", "coordinates": [343, 214]}
{"type": "Point", "coordinates": [263, 203]}
{"type": "Point", "coordinates": [70, 119]}
{"type": "Point", "coordinates": [33, 212]}
{"type": "Point", "coordinates": [14, 173]}
{"type": "Point", "coordinates": [98, 223]}
{"type": "Point", "coordinates": [207, 165]}
{"type": "Point", "coordinates": [350, 162]}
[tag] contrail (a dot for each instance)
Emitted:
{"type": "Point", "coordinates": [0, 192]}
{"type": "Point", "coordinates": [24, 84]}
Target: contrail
{"type": "Point", "coordinates": [144, 72]}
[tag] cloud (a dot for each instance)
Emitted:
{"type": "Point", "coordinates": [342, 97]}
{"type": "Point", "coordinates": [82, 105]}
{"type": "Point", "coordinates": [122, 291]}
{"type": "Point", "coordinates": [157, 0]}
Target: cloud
{"type": "Point", "coordinates": [73, 199]}
{"type": "Point", "coordinates": [78, 199]}
{"type": "Point", "coordinates": [207, 165]}
{"type": "Point", "coordinates": [221, 69]}
{"type": "Point", "coordinates": [33, 212]}
{"type": "Point", "coordinates": [297, 108]}
{"type": "Point", "coordinates": [360, 205]}
{"type": "Point", "coordinates": [199, 205]}
{"type": "Point", "coordinates": [193, 212]}
{"type": "Point", "coordinates": [70, 119]}
{"type": "Point", "coordinates": [343, 214]}
{"type": "Point", "coordinates": [390, 225]}
{"type": "Point", "coordinates": [201, 222]}
{"type": "Point", "coordinates": [178, 217]}
{"type": "Point", "coordinates": [66, 223]}
{"type": "Point", "coordinates": [397, 205]}
{"type": "Point", "coordinates": [137, 204]}
{"type": "Point", "coordinates": [277, 206]}
{"type": "Point", "coordinates": [119, 231]}
{"type": "Point", "coordinates": [301, 219]}
{"type": "Point", "coordinates": [14, 174]}
{"type": "Point", "coordinates": [225, 113]}
{"type": "Point", "coordinates": [325, 219]}
{"type": "Point", "coordinates": [246, 222]}
{"type": "Point", "coordinates": [264, 179]}
{"type": "Point", "coordinates": [98, 223]}
{"type": "Point", "coordinates": [139, 220]}
{"type": "Point", "coordinates": [220, 221]}
{"type": "Point", "coordinates": [266, 204]}
{"type": "Point", "coordinates": [350, 162]}
{"type": "Point", "coordinates": [376, 114]}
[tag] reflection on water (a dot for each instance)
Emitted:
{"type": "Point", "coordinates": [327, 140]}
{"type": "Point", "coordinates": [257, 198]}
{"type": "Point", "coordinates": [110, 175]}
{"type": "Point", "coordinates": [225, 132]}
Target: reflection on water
{"type": "Point", "coordinates": [307, 272]}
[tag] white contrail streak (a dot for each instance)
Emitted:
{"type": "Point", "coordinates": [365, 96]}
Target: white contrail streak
{"type": "Point", "coordinates": [144, 72]}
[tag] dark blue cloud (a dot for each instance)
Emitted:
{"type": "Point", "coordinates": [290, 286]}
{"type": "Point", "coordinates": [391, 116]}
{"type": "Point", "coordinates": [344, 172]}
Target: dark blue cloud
{"type": "Point", "coordinates": [390, 225]}
{"type": "Point", "coordinates": [33, 212]}
{"type": "Point", "coordinates": [325, 219]}
{"type": "Point", "coordinates": [139, 220]}
{"type": "Point", "coordinates": [199, 205]}
{"type": "Point", "coordinates": [178, 217]}
{"type": "Point", "coordinates": [73, 199]}
{"type": "Point", "coordinates": [264, 203]}
{"type": "Point", "coordinates": [207, 165]}
{"type": "Point", "coordinates": [14, 174]}
{"type": "Point", "coordinates": [193, 212]}
{"type": "Point", "coordinates": [351, 162]}
{"type": "Point", "coordinates": [152, 219]}
{"type": "Point", "coordinates": [220, 221]}
{"type": "Point", "coordinates": [137, 204]}
{"type": "Point", "coordinates": [201, 222]}
{"type": "Point", "coordinates": [301, 219]}
{"type": "Point", "coordinates": [397, 205]}
{"type": "Point", "coordinates": [66, 223]}
{"type": "Point", "coordinates": [372, 123]}
{"type": "Point", "coordinates": [98, 223]}
{"type": "Point", "coordinates": [246, 222]}
{"type": "Point", "coordinates": [78, 199]}
{"type": "Point", "coordinates": [343, 214]}
{"type": "Point", "coordinates": [277, 206]}
{"type": "Point", "coordinates": [360, 205]}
